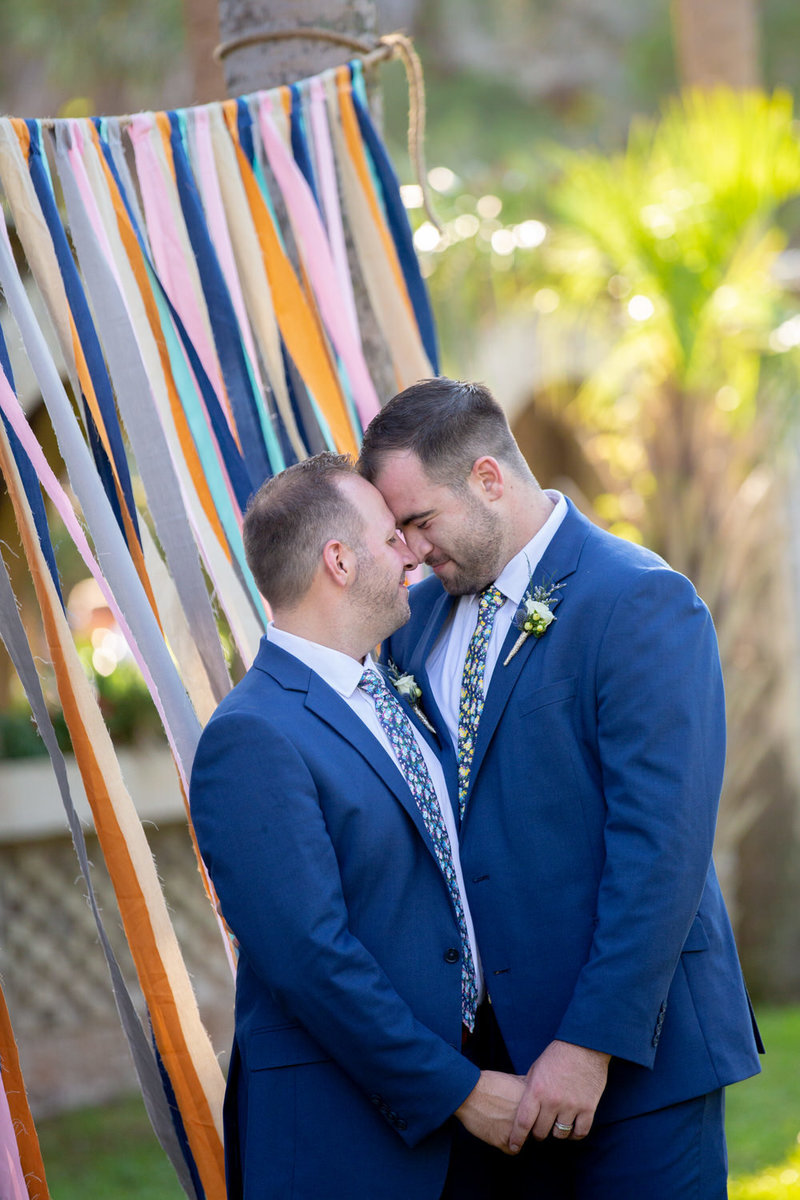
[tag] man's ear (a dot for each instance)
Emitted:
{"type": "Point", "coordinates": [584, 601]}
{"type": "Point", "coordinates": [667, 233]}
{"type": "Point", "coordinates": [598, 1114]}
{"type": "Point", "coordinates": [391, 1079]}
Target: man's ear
{"type": "Point", "coordinates": [487, 477]}
{"type": "Point", "coordinates": [338, 563]}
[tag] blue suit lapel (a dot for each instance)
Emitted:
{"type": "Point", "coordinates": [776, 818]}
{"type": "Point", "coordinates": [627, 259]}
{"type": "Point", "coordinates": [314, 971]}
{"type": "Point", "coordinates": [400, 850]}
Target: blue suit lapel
{"type": "Point", "coordinates": [417, 666]}
{"type": "Point", "coordinates": [558, 562]}
{"type": "Point", "coordinates": [326, 704]}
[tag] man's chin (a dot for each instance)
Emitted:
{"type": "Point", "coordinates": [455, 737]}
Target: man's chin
{"type": "Point", "coordinates": [454, 579]}
{"type": "Point", "coordinates": [398, 617]}
{"type": "Point", "coordinates": [459, 585]}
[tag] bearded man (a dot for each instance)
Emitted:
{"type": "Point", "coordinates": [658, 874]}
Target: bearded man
{"type": "Point", "coordinates": [575, 679]}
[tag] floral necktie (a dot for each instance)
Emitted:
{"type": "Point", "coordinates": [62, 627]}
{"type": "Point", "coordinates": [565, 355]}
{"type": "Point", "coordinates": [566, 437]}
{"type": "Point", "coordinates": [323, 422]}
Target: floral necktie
{"type": "Point", "coordinates": [470, 708]}
{"type": "Point", "coordinates": [400, 733]}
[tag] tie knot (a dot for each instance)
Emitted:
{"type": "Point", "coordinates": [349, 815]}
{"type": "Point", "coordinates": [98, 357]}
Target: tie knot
{"type": "Point", "coordinates": [490, 599]}
{"type": "Point", "coordinates": [372, 683]}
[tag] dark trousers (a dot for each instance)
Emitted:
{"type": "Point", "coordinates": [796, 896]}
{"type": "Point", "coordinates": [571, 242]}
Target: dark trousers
{"type": "Point", "coordinates": [675, 1153]}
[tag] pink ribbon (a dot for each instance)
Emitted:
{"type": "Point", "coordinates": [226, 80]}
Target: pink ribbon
{"type": "Point", "coordinates": [12, 1178]}
{"type": "Point", "coordinates": [168, 248]}
{"type": "Point", "coordinates": [329, 194]}
{"type": "Point", "coordinates": [313, 242]}
{"type": "Point", "coordinates": [16, 419]}
{"type": "Point", "coordinates": [208, 183]}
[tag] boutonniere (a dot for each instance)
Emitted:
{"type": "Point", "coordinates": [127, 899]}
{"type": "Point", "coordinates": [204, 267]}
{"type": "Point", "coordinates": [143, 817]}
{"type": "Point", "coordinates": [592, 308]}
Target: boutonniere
{"type": "Point", "coordinates": [535, 615]}
{"type": "Point", "coordinates": [406, 686]}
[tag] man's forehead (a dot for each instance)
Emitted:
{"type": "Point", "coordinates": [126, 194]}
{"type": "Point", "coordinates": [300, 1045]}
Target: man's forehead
{"type": "Point", "coordinates": [405, 485]}
{"type": "Point", "coordinates": [365, 496]}
{"type": "Point", "coordinates": [399, 465]}
{"type": "Point", "coordinates": [410, 497]}
{"type": "Point", "coordinates": [406, 503]}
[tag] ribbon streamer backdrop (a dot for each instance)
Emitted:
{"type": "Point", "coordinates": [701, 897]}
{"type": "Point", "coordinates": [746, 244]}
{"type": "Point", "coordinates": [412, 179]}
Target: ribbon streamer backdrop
{"type": "Point", "coordinates": [196, 268]}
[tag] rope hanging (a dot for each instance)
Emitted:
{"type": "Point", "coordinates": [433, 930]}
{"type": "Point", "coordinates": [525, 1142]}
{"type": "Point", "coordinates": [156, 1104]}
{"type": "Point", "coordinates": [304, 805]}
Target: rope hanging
{"type": "Point", "coordinates": [372, 51]}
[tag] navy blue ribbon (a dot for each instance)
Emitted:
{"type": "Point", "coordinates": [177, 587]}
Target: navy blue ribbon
{"type": "Point", "coordinates": [300, 149]}
{"type": "Point", "coordinates": [224, 323]}
{"type": "Point", "coordinates": [244, 125]}
{"type": "Point", "coordinates": [243, 486]}
{"type": "Point", "coordinates": [400, 230]}
{"type": "Point", "coordinates": [30, 480]}
{"type": "Point", "coordinates": [90, 343]}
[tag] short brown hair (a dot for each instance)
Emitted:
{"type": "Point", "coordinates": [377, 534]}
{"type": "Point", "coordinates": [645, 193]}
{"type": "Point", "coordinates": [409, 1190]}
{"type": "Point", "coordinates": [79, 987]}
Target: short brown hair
{"type": "Point", "coordinates": [448, 424]}
{"type": "Point", "coordinates": [290, 519]}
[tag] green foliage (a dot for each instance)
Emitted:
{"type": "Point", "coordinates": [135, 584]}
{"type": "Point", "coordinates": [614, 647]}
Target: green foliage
{"type": "Point", "coordinates": [127, 706]}
{"type": "Point", "coordinates": [477, 122]}
{"type": "Point", "coordinates": [688, 209]}
{"type": "Point", "coordinates": [650, 281]}
{"type": "Point", "coordinates": [84, 45]}
{"type": "Point", "coordinates": [124, 699]}
{"type": "Point", "coordinates": [19, 737]}
{"type": "Point", "coordinates": [125, 703]}
{"type": "Point", "coordinates": [685, 221]}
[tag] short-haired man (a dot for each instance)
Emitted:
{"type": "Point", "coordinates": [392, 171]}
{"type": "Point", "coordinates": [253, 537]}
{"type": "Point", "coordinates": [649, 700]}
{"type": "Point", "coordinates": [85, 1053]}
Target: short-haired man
{"type": "Point", "coordinates": [578, 680]}
{"type": "Point", "coordinates": [321, 811]}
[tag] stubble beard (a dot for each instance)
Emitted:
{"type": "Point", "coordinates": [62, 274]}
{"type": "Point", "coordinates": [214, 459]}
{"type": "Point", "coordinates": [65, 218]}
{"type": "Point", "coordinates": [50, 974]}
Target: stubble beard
{"type": "Point", "coordinates": [383, 607]}
{"type": "Point", "coordinates": [478, 561]}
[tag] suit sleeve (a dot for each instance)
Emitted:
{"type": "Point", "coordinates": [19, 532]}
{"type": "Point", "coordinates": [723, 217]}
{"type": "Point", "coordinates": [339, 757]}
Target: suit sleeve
{"type": "Point", "coordinates": [661, 747]}
{"type": "Point", "coordinates": [263, 835]}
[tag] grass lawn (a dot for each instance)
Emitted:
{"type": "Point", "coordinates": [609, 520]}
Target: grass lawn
{"type": "Point", "coordinates": [109, 1152]}
{"type": "Point", "coordinates": [764, 1113]}
{"type": "Point", "coordinates": [112, 1152]}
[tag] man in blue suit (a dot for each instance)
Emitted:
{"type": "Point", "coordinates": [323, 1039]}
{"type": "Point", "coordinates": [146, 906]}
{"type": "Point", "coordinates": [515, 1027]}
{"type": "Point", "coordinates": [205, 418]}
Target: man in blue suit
{"type": "Point", "coordinates": [321, 811]}
{"type": "Point", "coordinates": [576, 679]}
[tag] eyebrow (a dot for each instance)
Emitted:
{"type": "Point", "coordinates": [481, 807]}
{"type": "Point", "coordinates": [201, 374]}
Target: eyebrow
{"type": "Point", "coordinates": [420, 516]}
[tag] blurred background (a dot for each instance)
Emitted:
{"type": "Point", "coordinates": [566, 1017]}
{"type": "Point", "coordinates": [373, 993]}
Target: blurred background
{"type": "Point", "coordinates": [613, 247]}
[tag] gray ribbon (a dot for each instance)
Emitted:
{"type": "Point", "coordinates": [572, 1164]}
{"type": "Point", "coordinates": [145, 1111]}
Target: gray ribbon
{"type": "Point", "coordinates": [110, 547]}
{"type": "Point", "coordinates": [147, 438]}
{"type": "Point", "coordinates": [145, 1063]}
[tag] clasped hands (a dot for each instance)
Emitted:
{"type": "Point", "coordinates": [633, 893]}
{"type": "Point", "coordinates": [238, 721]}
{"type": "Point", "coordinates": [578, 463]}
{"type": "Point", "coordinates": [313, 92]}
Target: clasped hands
{"type": "Point", "coordinates": [559, 1095]}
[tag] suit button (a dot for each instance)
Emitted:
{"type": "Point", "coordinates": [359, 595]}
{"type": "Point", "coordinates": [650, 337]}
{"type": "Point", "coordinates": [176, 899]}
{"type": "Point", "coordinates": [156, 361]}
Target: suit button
{"type": "Point", "coordinates": [401, 1123]}
{"type": "Point", "coordinates": [451, 955]}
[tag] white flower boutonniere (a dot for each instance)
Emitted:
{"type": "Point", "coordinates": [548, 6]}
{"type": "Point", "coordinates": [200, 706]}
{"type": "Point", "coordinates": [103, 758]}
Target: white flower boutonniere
{"type": "Point", "coordinates": [406, 686]}
{"type": "Point", "coordinates": [535, 615]}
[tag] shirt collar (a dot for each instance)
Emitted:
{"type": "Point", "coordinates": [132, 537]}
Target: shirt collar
{"type": "Point", "coordinates": [339, 670]}
{"type": "Point", "coordinates": [515, 576]}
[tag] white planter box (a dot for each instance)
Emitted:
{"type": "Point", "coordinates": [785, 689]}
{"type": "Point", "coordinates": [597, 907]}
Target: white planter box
{"type": "Point", "coordinates": [31, 806]}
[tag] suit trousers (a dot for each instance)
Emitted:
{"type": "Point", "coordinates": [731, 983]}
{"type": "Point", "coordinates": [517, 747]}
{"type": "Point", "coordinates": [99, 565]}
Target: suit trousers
{"type": "Point", "coordinates": [673, 1153]}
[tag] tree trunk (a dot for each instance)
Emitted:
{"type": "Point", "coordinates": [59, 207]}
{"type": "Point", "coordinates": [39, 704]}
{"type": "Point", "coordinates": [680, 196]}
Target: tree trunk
{"type": "Point", "coordinates": [717, 42]}
{"type": "Point", "coordinates": [272, 63]}
{"type": "Point", "coordinates": [202, 38]}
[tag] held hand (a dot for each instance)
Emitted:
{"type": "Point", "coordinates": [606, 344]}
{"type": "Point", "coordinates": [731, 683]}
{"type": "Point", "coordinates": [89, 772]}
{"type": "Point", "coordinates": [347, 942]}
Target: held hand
{"type": "Point", "coordinates": [562, 1091]}
{"type": "Point", "coordinates": [489, 1110]}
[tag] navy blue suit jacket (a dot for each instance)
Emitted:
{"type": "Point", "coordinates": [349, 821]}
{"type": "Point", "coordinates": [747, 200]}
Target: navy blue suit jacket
{"type": "Point", "coordinates": [587, 837]}
{"type": "Point", "coordinates": [346, 1062]}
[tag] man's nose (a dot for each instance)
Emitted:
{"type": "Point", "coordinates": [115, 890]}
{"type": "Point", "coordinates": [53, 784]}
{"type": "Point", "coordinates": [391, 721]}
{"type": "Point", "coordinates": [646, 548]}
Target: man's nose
{"type": "Point", "coordinates": [418, 544]}
{"type": "Point", "coordinates": [410, 560]}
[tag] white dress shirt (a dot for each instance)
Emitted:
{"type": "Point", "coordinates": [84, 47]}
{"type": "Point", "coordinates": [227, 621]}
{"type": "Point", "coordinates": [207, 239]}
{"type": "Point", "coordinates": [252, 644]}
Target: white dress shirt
{"type": "Point", "coordinates": [343, 674]}
{"type": "Point", "coordinates": [445, 663]}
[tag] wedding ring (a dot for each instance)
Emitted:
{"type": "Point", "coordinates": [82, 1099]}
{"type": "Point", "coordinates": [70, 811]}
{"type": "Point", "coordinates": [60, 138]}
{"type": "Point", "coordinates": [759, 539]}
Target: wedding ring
{"type": "Point", "coordinates": [563, 1128]}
